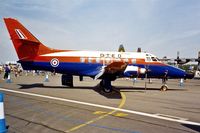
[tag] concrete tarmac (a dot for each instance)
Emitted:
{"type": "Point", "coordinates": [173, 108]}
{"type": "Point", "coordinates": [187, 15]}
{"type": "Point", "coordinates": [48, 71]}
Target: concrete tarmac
{"type": "Point", "coordinates": [145, 110]}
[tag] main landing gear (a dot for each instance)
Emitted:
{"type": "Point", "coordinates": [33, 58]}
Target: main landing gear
{"type": "Point", "coordinates": [67, 80]}
{"type": "Point", "coordinates": [106, 85]}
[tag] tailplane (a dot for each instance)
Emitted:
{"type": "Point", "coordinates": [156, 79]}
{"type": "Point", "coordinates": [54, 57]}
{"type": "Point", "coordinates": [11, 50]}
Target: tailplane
{"type": "Point", "coordinates": [26, 45]}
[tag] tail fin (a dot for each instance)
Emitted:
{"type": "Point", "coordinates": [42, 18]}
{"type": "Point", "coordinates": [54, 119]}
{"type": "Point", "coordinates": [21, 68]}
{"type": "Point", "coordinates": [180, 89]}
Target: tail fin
{"type": "Point", "coordinates": [26, 45]}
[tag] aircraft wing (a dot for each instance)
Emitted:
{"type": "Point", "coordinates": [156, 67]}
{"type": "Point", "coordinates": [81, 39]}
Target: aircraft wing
{"type": "Point", "coordinates": [112, 69]}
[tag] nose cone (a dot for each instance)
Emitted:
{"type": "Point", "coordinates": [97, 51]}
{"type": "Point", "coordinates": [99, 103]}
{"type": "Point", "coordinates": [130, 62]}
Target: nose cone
{"type": "Point", "coordinates": [175, 72]}
{"type": "Point", "coordinates": [189, 75]}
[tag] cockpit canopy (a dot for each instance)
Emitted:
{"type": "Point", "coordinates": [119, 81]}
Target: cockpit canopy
{"type": "Point", "coordinates": [151, 57]}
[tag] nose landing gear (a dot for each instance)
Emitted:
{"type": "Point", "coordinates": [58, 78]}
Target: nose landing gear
{"type": "Point", "coordinates": [164, 87]}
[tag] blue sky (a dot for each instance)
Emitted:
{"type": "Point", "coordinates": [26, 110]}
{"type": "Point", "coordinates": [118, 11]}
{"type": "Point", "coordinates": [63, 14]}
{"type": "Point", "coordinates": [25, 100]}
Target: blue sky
{"type": "Point", "coordinates": [161, 27]}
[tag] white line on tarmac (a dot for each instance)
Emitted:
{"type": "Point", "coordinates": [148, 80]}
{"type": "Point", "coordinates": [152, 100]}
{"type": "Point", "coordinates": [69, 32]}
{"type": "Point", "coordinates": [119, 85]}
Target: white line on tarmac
{"type": "Point", "coordinates": [171, 116]}
{"type": "Point", "coordinates": [105, 107]}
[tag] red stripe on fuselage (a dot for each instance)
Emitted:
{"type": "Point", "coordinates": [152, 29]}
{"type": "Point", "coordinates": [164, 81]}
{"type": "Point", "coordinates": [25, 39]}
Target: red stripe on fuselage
{"type": "Point", "coordinates": [91, 60]}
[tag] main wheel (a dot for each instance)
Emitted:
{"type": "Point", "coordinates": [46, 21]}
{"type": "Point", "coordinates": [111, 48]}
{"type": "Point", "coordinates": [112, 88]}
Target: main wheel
{"type": "Point", "coordinates": [106, 86]}
{"type": "Point", "coordinates": [67, 80]}
{"type": "Point", "coordinates": [107, 90]}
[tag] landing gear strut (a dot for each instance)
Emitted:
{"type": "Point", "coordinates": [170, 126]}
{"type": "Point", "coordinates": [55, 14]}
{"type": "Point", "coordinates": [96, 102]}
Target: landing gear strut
{"type": "Point", "coordinates": [106, 85]}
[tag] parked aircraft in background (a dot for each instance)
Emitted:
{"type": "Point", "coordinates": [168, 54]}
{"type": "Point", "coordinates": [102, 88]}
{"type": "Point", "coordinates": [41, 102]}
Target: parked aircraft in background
{"type": "Point", "coordinates": [104, 65]}
{"type": "Point", "coordinates": [121, 48]}
{"type": "Point", "coordinates": [181, 61]}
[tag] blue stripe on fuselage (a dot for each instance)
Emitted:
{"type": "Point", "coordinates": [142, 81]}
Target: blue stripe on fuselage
{"type": "Point", "coordinates": [156, 71]}
{"type": "Point", "coordinates": [87, 69]}
{"type": "Point", "coordinates": [92, 69]}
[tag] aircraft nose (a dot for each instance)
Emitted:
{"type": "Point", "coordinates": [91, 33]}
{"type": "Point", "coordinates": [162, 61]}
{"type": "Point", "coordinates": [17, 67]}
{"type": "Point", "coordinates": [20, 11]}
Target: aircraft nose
{"type": "Point", "coordinates": [175, 72]}
{"type": "Point", "coordinates": [189, 75]}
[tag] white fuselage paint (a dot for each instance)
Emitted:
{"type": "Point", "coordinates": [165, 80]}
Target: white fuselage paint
{"type": "Point", "coordinates": [98, 54]}
{"type": "Point", "coordinates": [136, 69]}
{"type": "Point", "coordinates": [106, 107]}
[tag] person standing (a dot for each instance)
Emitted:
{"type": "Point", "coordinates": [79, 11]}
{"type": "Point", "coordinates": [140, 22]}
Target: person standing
{"type": "Point", "coordinates": [7, 71]}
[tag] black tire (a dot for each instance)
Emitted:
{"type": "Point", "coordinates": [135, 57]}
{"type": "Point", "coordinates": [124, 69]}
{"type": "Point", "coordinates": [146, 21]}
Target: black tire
{"type": "Point", "coordinates": [164, 88]}
{"type": "Point", "coordinates": [107, 90]}
{"type": "Point", "coordinates": [67, 80]}
{"type": "Point", "coordinates": [106, 86]}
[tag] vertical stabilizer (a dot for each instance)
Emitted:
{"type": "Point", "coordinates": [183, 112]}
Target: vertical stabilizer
{"type": "Point", "coordinates": [26, 45]}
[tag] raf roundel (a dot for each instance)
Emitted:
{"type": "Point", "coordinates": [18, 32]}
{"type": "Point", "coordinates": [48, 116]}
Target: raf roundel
{"type": "Point", "coordinates": [54, 62]}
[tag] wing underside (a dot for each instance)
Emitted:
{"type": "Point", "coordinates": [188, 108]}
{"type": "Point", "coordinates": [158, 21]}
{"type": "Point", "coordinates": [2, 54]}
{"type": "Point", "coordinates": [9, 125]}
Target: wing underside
{"type": "Point", "coordinates": [111, 70]}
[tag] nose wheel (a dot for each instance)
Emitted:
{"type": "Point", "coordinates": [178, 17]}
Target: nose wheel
{"type": "Point", "coordinates": [164, 87]}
